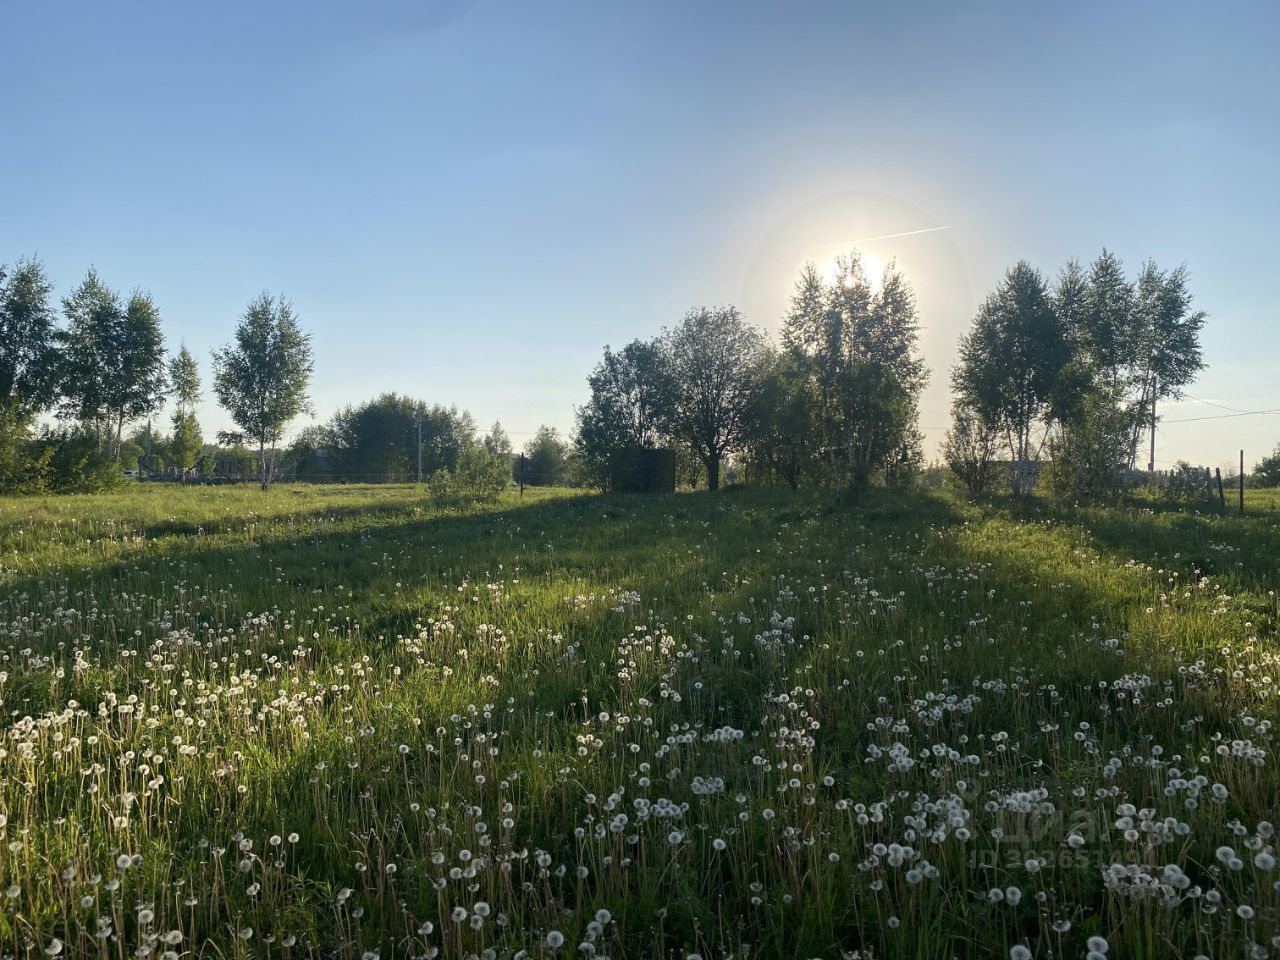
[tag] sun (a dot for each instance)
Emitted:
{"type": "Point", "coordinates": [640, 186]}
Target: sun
{"type": "Point", "coordinates": [872, 266]}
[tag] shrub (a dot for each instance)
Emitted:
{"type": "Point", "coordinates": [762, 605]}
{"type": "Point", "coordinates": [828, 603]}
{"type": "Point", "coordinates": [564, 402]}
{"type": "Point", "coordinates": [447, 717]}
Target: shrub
{"type": "Point", "coordinates": [481, 475]}
{"type": "Point", "coordinates": [74, 463]}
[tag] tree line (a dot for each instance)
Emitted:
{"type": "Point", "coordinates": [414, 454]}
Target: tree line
{"type": "Point", "coordinates": [1068, 377]}
{"type": "Point", "coordinates": [1072, 373]}
{"type": "Point", "coordinates": [1069, 374]}
{"type": "Point", "coordinates": [834, 403]}
{"type": "Point", "coordinates": [97, 362]}
{"type": "Point", "coordinates": [396, 438]}
{"type": "Point", "coordinates": [104, 368]}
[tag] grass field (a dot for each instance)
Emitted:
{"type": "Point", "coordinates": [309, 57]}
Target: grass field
{"type": "Point", "coordinates": [341, 722]}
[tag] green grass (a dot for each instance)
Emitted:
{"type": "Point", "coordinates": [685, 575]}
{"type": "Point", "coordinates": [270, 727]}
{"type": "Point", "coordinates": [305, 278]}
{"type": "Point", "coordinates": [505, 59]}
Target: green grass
{"type": "Point", "coordinates": [320, 721]}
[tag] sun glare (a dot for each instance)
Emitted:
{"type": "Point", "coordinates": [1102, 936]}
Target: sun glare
{"type": "Point", "coordinates": [872, 266]}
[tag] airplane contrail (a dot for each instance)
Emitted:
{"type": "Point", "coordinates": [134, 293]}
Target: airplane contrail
{"type": "Point", "coordinates": [887, 236]}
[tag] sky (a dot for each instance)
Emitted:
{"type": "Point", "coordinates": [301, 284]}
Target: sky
{"type": "Point", "coordinates": [467, 200]}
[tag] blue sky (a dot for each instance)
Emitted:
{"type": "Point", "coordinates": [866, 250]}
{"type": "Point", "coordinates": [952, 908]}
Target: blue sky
{"type": "Point", "coordinates": [467, 200]}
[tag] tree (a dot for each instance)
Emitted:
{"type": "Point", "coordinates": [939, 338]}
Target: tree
{"type": "Point", "coordinates": [187, 443]}
{"type": "Point", "coordinates": [1106, 331]}
{"type": "Point", "coordinates": [482, 473]}
{"type": "Point", "coordinates": [261, 379]}
{"type": "Point", "coordinates": [378, 439]}
{"type": "Point", "coordinates": [28, 346]}
{"type": "Point", "coordinates": [714, 358]}
{"type": "Point", "coordinates": [1167, 334]}
{"type": "Point", "coordinates": [970, 445]}
{"type": "Point", "coordinates": [497, 442]}
{"type": "Point", "coordinates": [631, 393]}
{"type": "Point", "coordinates": [1010, 362]}
{"type": "Point", "coordinates": [28, 370]}
{"type": "Point", "coordinates": [1267, 471]}
{"type": "Point", "coordinates": [309, 452]}
{"type": "Point", "coordinates": [860, 342]}
{"type": "Point", "coordinates": [113, 360]}
{"type": "Point", "coordinates": [783, 434]}
{"type": "Point", "coordinates": [547, 459]}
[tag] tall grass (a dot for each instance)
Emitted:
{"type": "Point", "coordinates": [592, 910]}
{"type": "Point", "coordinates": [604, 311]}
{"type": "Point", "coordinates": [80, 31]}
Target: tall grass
{"type": "Point", "coordinates": [342, 722]}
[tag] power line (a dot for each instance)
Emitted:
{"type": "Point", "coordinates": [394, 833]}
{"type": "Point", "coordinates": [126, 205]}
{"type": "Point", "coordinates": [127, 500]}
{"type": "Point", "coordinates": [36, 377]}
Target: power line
{"type": "Point", "coordinates": [1225, 416]}
{"type": "Point", "coordinates": [1214, 403]}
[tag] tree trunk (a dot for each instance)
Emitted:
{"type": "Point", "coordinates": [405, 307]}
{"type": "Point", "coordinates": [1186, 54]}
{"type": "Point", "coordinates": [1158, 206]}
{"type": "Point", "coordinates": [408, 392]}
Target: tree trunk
{"type": "Point", "coordinates": [264, 474]}
{"type": "Point", "coordinates": [713, 471]}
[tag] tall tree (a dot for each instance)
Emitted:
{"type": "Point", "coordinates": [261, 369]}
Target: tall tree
{"type": "Point", "coordinates": [805, 325]}
{"type": "Point", "coordinates": [497, 442]}
{"type": "Point", "coordinates": [28, 346]}
{"type": "Point", "coordinates": [714, 358]}
{"type": "Point", "coordinates": [28, 370]}
{"type": "Point", "coordinates": [113, 359]}
{"type": "Point", "coordinates": [1167, 334]}
{"type": "Point", "coordinates": [262, 379]}
{"type": "Point", "coordinates": [378, 439]}
{"type": "Point", "coordinates": [1010, 362]}
{"type": "Point", "coordinates": [1106, 330]}
{"type": "Point", "coordinates": [143, 382]}
{"type": "Point", "coordinates": [860, 341]}
{"type": "Point", "coordinates": [547, 459]}
{"type": "Point", "coordinates": [184, 378]}
{"type": "Point", "coordinates": [631, 393]}
{"type": "Point", "coordinates": [881, 385]}
{"type": "Point", "coordinates": [94, 317]}
{"type": "Point", "coordinates": [783, 437]}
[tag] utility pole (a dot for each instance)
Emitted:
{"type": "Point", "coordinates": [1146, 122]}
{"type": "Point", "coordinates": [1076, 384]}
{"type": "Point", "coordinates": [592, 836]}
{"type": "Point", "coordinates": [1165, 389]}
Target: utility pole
{"type": "Point", "coordinates": [148, 450]}
{"type": "Point", "coordinates": [1242, 483]}
{"type": "Point", "coordinates": [417, 420]}
{"type": "Point", "coordinates": [1151, 464]}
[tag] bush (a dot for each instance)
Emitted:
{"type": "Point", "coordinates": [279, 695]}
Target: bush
{"type": "Point", "coordinates": [1190, 484]}
{"type": "Point", "coordinates": [21, 467]}
{"type": "Point", "coordinates": [73, 463]}
{"type": "Point", "coordinates": [1267, 471]}
{"type": "Point", "coordinates": [481, 475]}
{"type": "Point", "coordinates": [969, 449]}
{"type": "Point", "coordinates": [1090, 452]}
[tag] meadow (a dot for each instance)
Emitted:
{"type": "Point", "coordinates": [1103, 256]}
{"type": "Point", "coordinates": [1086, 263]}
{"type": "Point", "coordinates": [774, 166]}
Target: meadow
{"type": "Point", "coordinates": [344, 722]}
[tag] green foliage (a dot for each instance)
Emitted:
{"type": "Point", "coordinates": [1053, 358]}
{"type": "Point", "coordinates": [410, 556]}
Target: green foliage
{"type": "Point", "coordinates": [783, 442]}
{"type": "Point", "coordinates": [1089, 449]}
{"type": "Point", "coordinates": [187, 443]}
{"type": "Point", "coordinates": [28, 344]}
{"type": "Point", "coordinates": [377, 440]}
{"type": "Point", "coordinates": [1190, 484]}
{"type": "Point", "coordinates": [1266, 473]}
{"type": "Point", "coordinates": [22, 466]}
{"type": "Point", "coordinates": [73, 462]}
{"type": "Point", "coordinates": [184, 380]}
{"type": "Point", "coordinates": [362, 679]}
{"type": "Point", "coordinates": [1009, 366]}
{"type": "Point", "coordinates": [632, 392]}
{"type": "Point", "coordinates": [261, 380]}
{"type": "Point", "coordinates": [482, 475]}
{"type": "Point", "coordinates": [113, 370]}
{"type": "Point", "coordinates": [497, 442]}
{"type": "Point", "coordinates": [858, 343]}
{"type": "Point", "coordinates": [969, 448]}
{"type": "Point", "coordinates": [714, 360]}
{"type": "Point", "coordinates": [1082, 368]}
{"type": "Point", "coordinates": [547, 459]}
{"type": "Point", "coordinates": [308, 453]}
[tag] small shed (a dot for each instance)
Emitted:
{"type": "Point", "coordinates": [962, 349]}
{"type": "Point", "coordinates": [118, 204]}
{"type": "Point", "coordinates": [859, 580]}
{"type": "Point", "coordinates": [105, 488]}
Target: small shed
{"type": "Point", "coordinates": [643, 470]}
